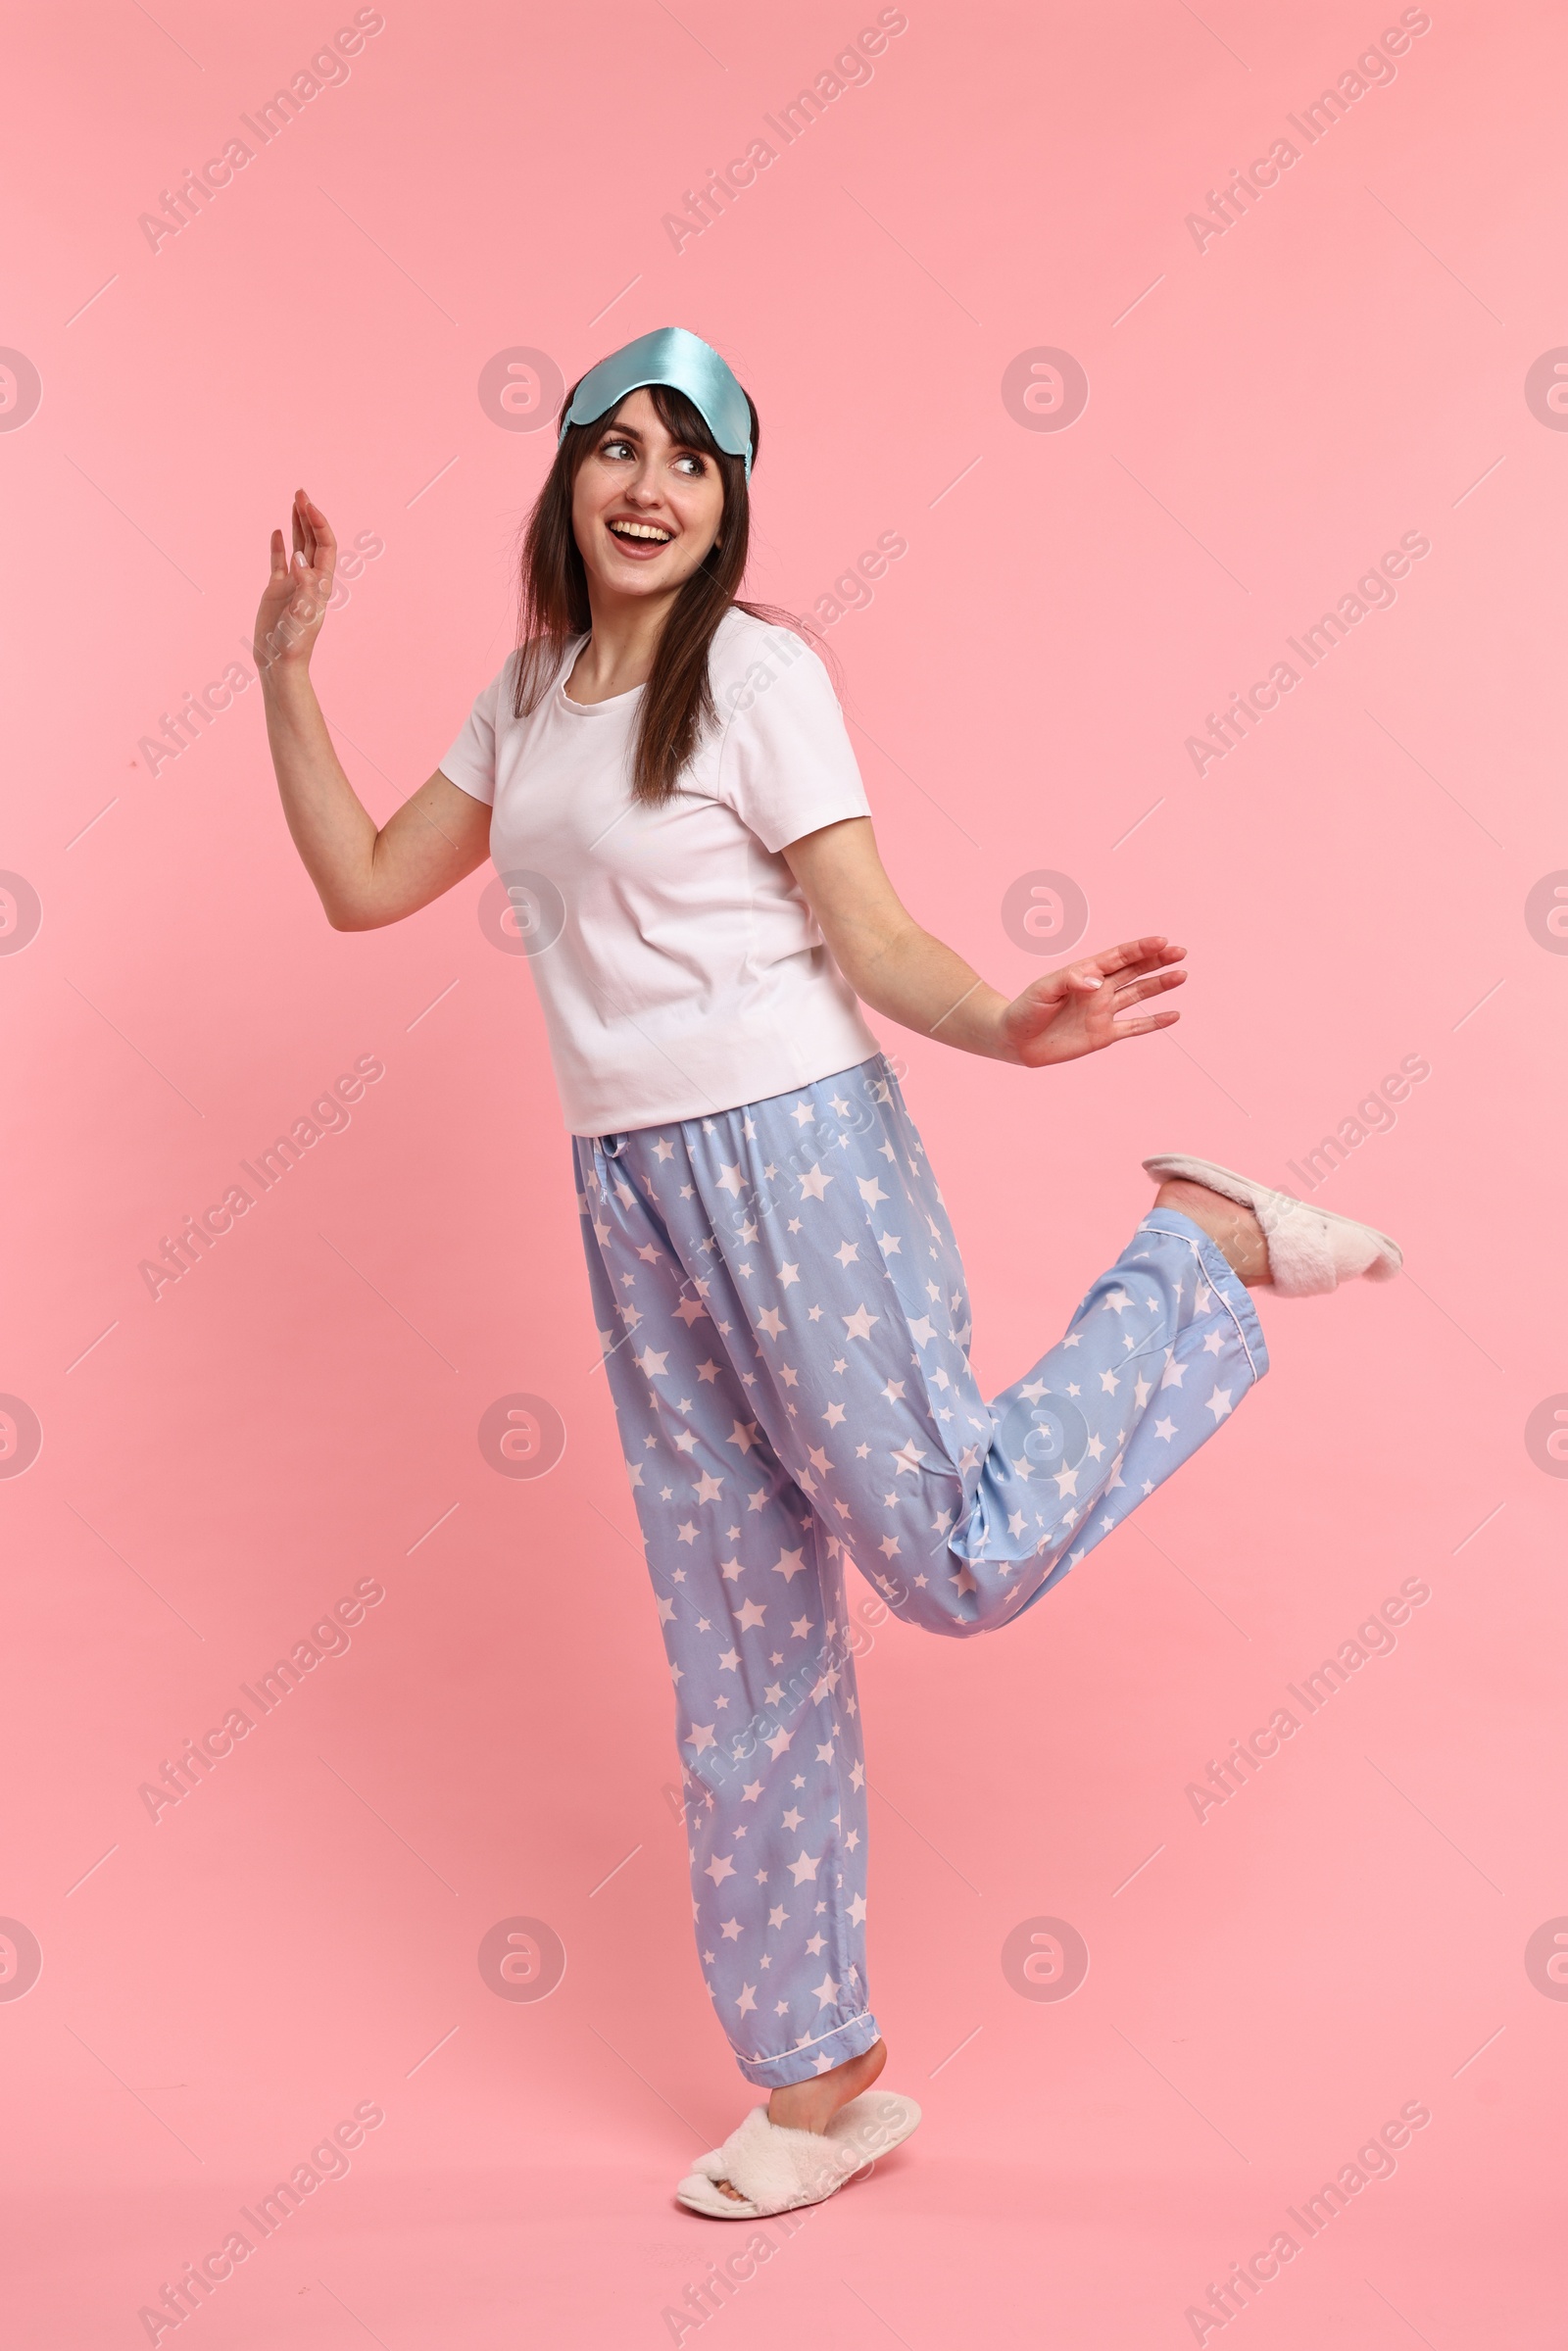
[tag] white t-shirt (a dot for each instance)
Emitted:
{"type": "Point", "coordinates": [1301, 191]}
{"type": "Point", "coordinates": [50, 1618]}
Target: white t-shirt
{"type": "Point", "coordinates": [680, 968]}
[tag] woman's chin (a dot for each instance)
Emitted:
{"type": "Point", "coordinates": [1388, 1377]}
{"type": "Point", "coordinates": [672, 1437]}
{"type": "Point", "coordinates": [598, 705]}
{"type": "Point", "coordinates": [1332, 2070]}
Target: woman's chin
{"type": "Point", "coordinates": [632, 580]}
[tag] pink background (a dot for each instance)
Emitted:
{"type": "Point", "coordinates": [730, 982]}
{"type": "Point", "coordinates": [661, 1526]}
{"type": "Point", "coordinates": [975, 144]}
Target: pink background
{"type": "Point", "coordinates": [1266, 418]}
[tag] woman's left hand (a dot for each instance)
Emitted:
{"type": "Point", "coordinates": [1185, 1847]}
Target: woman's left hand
{"type": "Point", "coordinates": [1083, 1006]}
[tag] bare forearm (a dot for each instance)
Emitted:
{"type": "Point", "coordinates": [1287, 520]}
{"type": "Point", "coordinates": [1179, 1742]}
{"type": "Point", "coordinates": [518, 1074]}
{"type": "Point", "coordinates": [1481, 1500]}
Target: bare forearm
{"type": "Point", "coordinates": [366, 875]}
{"type": "Point", "coordinates": [332, 830]}
{"type": "Point", "coordinates": [916, 980]}
{"type": "Point", "coordinates": [900, 969]}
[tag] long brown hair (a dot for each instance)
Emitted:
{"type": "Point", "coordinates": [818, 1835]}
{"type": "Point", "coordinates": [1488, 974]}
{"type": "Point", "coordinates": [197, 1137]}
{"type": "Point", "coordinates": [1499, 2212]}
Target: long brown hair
{"type": "Point", "coordinates": [678, 703]}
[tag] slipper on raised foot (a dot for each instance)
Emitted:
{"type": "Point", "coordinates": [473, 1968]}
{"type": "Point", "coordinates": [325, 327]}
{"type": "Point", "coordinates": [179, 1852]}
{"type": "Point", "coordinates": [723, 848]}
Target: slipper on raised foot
{"type": "Point", "coordinates": [1310, 1249]}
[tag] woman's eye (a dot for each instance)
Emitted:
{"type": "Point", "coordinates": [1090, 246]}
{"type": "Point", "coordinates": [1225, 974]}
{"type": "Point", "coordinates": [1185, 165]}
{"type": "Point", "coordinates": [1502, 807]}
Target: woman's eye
{"type": "Point", "coordinates": [615, 448]}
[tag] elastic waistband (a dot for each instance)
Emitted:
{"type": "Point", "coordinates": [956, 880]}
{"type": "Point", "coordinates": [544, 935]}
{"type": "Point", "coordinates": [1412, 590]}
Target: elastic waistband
{"type": "Point", "coordinates": [876, 1064]}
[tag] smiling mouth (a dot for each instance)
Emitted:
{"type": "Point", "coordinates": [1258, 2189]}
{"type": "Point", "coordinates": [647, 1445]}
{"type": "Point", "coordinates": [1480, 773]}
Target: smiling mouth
{"type": "Point", "coordinates": [640, 534]}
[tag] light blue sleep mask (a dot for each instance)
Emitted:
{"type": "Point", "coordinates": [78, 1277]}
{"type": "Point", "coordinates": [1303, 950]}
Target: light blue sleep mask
{"type": "Point", "coordinates": [669, 356]}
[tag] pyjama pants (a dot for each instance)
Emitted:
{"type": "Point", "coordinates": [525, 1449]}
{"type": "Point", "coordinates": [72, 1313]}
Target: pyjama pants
{"type": "Point", "coordinates": [785, 1325]}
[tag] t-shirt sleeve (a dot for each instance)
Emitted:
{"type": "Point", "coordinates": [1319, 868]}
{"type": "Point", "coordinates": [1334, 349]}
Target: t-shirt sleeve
{"type": "Point", "coordinates": [786, 765]}
{"type": "Point", "coordinates": [470, 763]}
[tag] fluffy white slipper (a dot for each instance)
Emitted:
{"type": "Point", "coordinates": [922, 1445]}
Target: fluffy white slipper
{"type": "Point", "coordinates": [1309, 1249]}
{"type": "Point", "coordinates": [776, 2170]}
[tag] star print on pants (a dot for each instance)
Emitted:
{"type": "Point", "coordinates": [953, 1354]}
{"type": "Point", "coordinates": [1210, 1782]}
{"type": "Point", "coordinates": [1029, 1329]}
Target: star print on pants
{"type": "Point", "coordinates": [799, 1414]}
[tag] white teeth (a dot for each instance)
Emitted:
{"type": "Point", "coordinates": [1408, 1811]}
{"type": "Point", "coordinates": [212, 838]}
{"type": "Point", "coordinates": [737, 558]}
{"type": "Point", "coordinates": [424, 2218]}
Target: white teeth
{"type": "Point", "coordinates": [640, 531]}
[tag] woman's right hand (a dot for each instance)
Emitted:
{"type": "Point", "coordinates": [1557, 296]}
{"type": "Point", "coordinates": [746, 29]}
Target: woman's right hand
{"type": "Point", "coordinates": [294, 601]}
{"type": "Point", "coordinates": [366, 875]}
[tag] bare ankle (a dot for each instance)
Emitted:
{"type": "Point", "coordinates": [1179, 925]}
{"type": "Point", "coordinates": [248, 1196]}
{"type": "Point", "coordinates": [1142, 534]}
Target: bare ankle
{"type": "Point", "coordinates": [811, 2105]}
{"type": "Point", "coordinates": [1234, 1229]}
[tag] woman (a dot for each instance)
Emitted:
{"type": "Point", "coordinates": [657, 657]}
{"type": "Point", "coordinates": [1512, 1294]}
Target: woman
{"type": "Point", "coordinates": [663, 777]}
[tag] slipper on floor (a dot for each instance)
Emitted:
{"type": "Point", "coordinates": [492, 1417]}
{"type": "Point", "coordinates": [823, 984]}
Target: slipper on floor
{"type": "Point", "coordinates": [1309, 1249]}
{"type": "Point", "coordinates": [776, 2170]}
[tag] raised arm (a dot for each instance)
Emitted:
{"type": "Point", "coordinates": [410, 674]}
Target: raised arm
{"type": "Point", "coordinates": [903, 971]}
{"type": "Point", "coordinates": [365, 876]}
